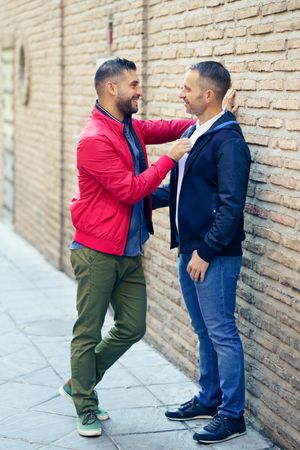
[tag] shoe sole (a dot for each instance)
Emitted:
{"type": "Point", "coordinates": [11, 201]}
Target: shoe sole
{"type": "Point", "coordinates": [204, 441]}
{"type": "Point", "coordinates": [68, 397]}
{"type": "Point", "coordinates": [90, 433]}
{"type": "Point", "coordinates": [102, 417]}
{"type": "Point", "coordinates": [189, 418]}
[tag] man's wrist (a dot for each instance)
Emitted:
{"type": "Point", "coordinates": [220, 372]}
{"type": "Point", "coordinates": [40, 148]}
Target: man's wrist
{"type": "Point", "coordinates": [205, 252]}
{"type": "Point", "coordinates": [174, 160]}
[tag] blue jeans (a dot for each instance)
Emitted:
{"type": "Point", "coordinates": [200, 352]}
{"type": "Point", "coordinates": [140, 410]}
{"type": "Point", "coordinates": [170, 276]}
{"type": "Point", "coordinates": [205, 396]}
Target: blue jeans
{"type": "Point", "coordinates": [211, 306]}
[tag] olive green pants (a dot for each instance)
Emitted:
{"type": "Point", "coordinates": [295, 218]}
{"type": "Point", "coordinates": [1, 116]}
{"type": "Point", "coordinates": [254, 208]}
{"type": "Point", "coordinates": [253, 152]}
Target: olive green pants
{"type": "Point", "coordinates": [103, 279]}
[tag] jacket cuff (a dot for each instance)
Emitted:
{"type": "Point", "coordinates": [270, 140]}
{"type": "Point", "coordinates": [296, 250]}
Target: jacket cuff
{"type": "Point", "coordinates": [166, 162]}
{"type": "Point", "coordinates": [206, 252]}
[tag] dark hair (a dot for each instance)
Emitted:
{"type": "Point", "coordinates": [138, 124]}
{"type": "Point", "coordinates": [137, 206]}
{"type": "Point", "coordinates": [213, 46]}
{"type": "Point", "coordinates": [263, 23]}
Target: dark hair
{"type": "Point", "coordinates": [215, 72]}
{"type": "Point", "coordinates": [112, 68]}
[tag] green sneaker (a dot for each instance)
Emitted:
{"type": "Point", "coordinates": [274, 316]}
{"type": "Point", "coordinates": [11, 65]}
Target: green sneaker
{"type": "Point", "coordinates": [88, 424]}
{"type": "Point", "coordinates": [66, 392]}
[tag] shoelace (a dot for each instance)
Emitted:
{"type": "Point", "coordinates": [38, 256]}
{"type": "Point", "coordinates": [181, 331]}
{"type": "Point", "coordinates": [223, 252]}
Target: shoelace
{"type": "Point", "coordinates": [217, 422]}
{"type": "Point", "coordinates": [89, 417]}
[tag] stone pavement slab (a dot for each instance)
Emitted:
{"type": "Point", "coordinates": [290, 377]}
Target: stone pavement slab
{"type": "Point", "coordinates": [37, 312]}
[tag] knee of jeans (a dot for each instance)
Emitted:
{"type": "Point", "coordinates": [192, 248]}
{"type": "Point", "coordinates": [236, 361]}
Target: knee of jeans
{"type": "Point", "coordinates": [224, 336]}
{"type": "Point", "coordinates": [139, 332]}
{"type": "Point", "coordinates": [133, 334]}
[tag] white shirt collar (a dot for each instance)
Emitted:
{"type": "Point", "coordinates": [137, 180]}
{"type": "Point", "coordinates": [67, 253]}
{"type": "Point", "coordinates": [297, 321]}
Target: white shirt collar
{"type": "Point", "coordinates": [209, 122]}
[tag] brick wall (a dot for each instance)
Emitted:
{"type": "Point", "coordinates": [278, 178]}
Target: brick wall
{"type": "Point", "coordinates": [85, 40]}
{"type": "Point", "coordinates": [259, 43]}
{"type": "Point", "coordinates": [35, 27]}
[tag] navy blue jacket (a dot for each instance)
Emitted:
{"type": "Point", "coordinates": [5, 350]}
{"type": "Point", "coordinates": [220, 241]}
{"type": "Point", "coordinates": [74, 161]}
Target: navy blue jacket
{"type": "Point", "coordinates": [213, 192]}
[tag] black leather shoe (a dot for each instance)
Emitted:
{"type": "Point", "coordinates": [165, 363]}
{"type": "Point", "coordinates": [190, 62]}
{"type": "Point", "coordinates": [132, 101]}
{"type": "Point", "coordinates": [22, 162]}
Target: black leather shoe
{"type": "Point", "coordinates": [221, 429]}
{"type": "Point", "coordinates": [191, 410]}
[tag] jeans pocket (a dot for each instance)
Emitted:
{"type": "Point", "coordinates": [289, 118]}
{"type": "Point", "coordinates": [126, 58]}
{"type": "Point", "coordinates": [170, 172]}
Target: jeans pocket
{"type": "Point", "coordinates": [85, 255]}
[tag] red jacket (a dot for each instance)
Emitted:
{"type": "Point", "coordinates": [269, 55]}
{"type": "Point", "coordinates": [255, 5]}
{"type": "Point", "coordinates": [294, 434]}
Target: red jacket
{"type": "Point", "coordinates": [101, 210]}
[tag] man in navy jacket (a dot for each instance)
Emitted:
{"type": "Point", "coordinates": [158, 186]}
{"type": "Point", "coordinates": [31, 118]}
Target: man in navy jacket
{"type": "Point", "coordinates": [206, 195]}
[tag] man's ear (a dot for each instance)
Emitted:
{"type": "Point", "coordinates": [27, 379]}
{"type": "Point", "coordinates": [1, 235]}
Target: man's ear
{"type": "Point", "coordinates": [210, 96]}
{"type": "Point", "coordinates": [111, 88]}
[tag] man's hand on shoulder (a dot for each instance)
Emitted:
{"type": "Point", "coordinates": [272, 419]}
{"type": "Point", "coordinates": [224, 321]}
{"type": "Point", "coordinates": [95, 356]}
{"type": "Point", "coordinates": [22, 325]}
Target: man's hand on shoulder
{"type": "Point", "coordinates": [229, 101]}
{"type": "Point", "coordinates": [197, 267]}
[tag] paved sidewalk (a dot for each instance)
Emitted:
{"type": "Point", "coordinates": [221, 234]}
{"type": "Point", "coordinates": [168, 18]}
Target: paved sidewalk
{"type": "Point", "coordinates": [36, 316]}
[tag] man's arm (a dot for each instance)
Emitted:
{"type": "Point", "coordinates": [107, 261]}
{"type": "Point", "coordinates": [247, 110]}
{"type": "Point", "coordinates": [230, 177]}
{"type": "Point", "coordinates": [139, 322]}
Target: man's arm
{"type": "Point", "coordinates": [161, 131]}
{"type": "Point", "coordinates": [233, 172]}
{"type": "Point", "coordinates": [233, 165]}
{"type": "Point", "coordinates": [100, 159]}
{"type": "Point", "coordinates": [161, 197]}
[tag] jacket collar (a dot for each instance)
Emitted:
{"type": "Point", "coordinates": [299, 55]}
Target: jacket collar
{"type": "Point", "coordinates": [103, 111]}
{"type": "Point", "coordinates": [227, 117]}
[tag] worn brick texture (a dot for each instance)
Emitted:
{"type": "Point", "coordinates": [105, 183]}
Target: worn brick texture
{"type": "Point", "coordinates": [259, 42]}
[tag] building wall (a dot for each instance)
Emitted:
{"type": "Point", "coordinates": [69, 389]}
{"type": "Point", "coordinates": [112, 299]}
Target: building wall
{"type": "Point", "coordinates": [259, 43]}
{"type": "Point", "coordinates": [34, 29]}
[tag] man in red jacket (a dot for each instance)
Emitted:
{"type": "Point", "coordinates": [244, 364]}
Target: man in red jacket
{"type": "Point", "coordinates": [112, 219]}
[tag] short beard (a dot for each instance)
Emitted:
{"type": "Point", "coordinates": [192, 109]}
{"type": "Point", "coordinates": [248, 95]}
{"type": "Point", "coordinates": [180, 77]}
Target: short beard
{"type": "Point", "coordinates": [125, 106]}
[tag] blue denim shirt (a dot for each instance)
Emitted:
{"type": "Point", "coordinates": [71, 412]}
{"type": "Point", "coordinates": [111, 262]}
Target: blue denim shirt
{"type": "Point", "coordinates": [138, 232]}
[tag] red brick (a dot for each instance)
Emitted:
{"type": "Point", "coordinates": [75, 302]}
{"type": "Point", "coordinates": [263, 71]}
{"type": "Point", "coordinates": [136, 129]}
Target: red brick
{"type": "Point", "coordinates": [293, 43]}
{"type": "Point", "coordinates": [273, 8]}
{"type": "Point", "coordinates": [244, 85]}
{"type": "Point", "coordinates": [258, 175]}
{"type": "Point", "coordinates": [293, 5]}
{"type": "Point", "coordinates": [283, 219]}
{"type": "Point", "coordinates": [293, 124]}
{"type": "Point", "coordinates": [246, 120]}
{"type": "Point", "coordinates": [242, 49]}
{"type": "Point", "coordinates": [235, 32]}
{"type": "Point", "coordinates": [272, 46]}
{"type": "Point", "coordinates": [287, 144]}
{"type": "Point", "coordinates": [258, 102]}
{"type": "Point", "coordinates": [245, 13]}
{"type": "Point", "coordinates": [291, 282]}
{"type": "Point", "coordinates": [260, 66]}
{"type": "Point", "coordinates": [286, 104]}
{"type": "Point", "coordinates": [270, 122]}
{"type": "Point", "coordinates": [224, 16]}
{"type": "Point", "coordinates": [291, 202]}
{"type": "Point", "coordinates": [214, 33]}
{"type": "Point", "coordinates": [256, 211]}
{"type": "Point", "coordinates": [273, 85]}
{"type": "Point", "coordinates": [292, 85]}
{"type": "Point", "coordinates": [285, 181]}
{"type": "Point", "coordinates": [264, 28]}
{"type": "Point", "coordinates": [291, 242]}
{"type": "Point", "coordinates": [226, 49]}
{"type": "Point", "coordinates": [213, 3]}
{"type": "Point", "coordinates": [257, 139]}
{"type": "Point", "coordinates": [265, 270]}
{"type": "Point", "coordinates": [268, 196]}
{"type": "Point", "coordinates": [267, 233]}
{"type": "Point", "coordinates": [287, 65]}
{"type": "Point", "coordinates": [292, 164]}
